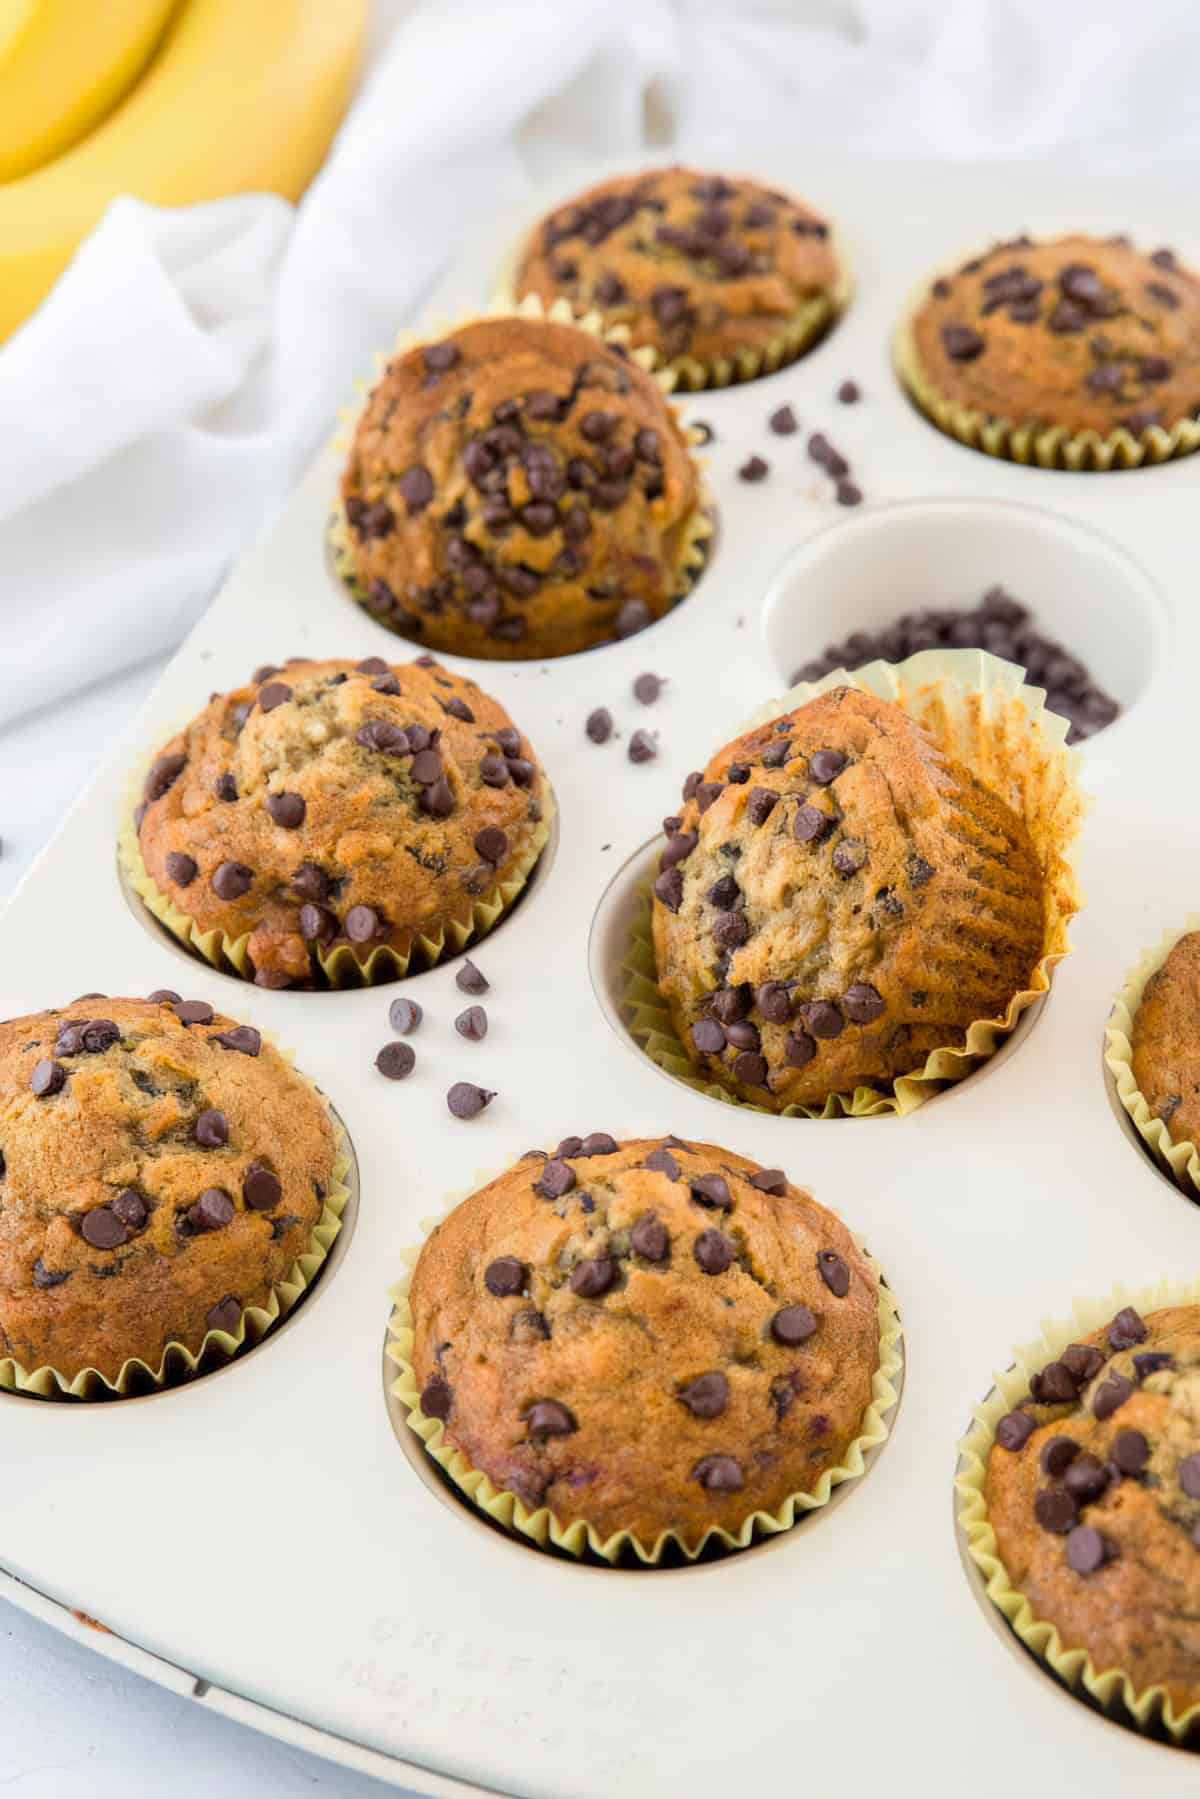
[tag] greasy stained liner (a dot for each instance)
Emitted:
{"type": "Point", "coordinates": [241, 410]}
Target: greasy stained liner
{"type": "Point", "coordinates": [978, 711]}
{"type": "Point", "coordinates": [1180, 1160]}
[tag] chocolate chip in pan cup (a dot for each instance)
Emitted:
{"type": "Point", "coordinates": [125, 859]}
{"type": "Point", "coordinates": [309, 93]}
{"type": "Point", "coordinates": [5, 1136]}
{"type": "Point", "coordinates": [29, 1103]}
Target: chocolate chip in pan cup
{"type": "Point", "coordinates": [1078, 1496]}
{"type": "Point", "coordinates": [1076, 352]}
{"type": "Point", "coordinates": [724, 279]}
{"type": "Point", "coordinates": [644, 1350]}
{"type": "Point", "coordinates": [170, 1186]}
{"type": "Point", "coordinates": [519, 487]}
{"type": "Point", "coordinates": [1152, 1051]}
{"type": "Point", "coordinates": [860, 895]}
{"type": "Point", "coordinates": [336, 823]}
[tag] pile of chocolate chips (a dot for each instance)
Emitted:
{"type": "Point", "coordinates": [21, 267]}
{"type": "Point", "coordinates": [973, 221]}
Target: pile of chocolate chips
{"type": "Point", "coordinates": [999, 624]}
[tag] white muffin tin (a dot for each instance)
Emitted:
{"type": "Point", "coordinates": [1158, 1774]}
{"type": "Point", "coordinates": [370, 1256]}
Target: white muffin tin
{"type": "Point", "coordinates": [259, 1540]}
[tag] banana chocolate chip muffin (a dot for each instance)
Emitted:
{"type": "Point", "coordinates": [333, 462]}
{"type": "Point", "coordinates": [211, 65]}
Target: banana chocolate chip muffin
{"type": "Point", "coordinates": [1093, 1490]}
{"type": "Point", "coordinates": [650, 1337]}
{"type": "Point", "coordinates": [1166, 1042]}
{"type": "Point", "coordinates": [161, 1169]}
{"type": "Point", "coordinates": [724, 279]}
{"type": "Point", "coordinates": [1074, 337]}
{"type": "Point", "coordinates": [342, 818]}
{"type": "Point", "coordinates": [518, 489]}
{"type": "Point", "coordinates": [838, 898]}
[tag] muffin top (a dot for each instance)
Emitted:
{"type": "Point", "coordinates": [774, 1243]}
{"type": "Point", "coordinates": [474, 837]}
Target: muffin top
{"type": "Point", "coordinates": [160, 1169]}
{"type": "Point", "coordinates": [518, 489]}
{"type": "Point", "coordinates": [648, 1336]}
{"type": "Point", "coordinates": [695, 265]}
{"type": "Point", "coordinates": [1082, 332]}
{"type": "Point", "coordinates": [1093, 1490]}
{"type": "Point", "coordinates": [1166, 1041]}
{"type": "Point", "coordinates": [340, 804]}
{"type": "Point", "coordinates": [836, 899]}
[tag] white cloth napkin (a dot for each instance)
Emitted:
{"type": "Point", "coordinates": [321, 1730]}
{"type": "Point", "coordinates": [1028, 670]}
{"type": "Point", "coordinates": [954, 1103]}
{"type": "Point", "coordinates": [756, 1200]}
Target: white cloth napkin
{"type": "Point", "coordinates": [165, 396]}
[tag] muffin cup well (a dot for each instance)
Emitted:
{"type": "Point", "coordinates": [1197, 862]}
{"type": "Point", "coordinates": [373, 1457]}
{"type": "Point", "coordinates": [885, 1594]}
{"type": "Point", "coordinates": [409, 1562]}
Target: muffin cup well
{"type": "Point", "coordinates": [179, 1364]}
{"type": "Point", "coordinates": [540, 1527]}
{"type": "Point", "coordinates": [694, 550]}
{"type": "Point", "coordinates": [1112, 1688]}
{"type": "Point", "coordinates": [1180, 1160]}
{"type": "Point", "coordinates": [339, 965]}
{"type": "Point", "coordinates": [978, 711]}
{"type": "Point", "coordinates": [1032, 440]}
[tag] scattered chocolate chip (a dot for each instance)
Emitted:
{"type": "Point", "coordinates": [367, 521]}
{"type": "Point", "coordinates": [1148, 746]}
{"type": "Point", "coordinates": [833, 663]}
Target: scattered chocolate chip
{"type": "Point", "coordinates": [361, 924]}
{"type": "Point", "coordinates": [1082, 1361]}
{"type": "Point", "coordinates": [961, 343]}
{"type": "Point", "coordinates": [181, 868]}
{"type": "Point", "coordinates": [707, 1395]}
{"type": "Point", "coordinates": [648, 1237]}
{"type": "Point", "coordinates": [731, 929]}
{"type": "Point", "coordinates": [231, 880]}
{"type": "Point", "coordinates": [192, 1011]}
{"type": "Point", "coordinates": [436, 1397]}
{"type": "Point", "coordinates": [416, 488]}
{"type": "Point", "coordinates": [505, 1276]}
{"type": "Point", "coordinates": [822, 1018]}
{"type": "Point", "coordinates": [48, 1077]}
{"type": "Point", "coordinates": [861, 1003]}
{"type": "Point", "coordinates": [1130, 1451]}
{"type": "Point", "coordinates": [754, 469]}
{"type": "Point", "coordinates": [1014, 1430]}
{"type": "Point", "coordinates": [668, 889]}
{"type": "Point", "coordinates": [242, 1037]}
{"type": "Point", "coordinates": [212, 1211]}
{"type": "Point", "coordinates": [719, 1474]}
{"type": "Point", "coordinates": [760, 803]}
{"type": "Point", "coordinates": [438, 799]}
{"type": "Point", "coordinates": [834, 1272]}
{"type": "Point", "coordinates": [211, 1129]}
{"type": "Point", "coordinates": [316, 924]}
{"type": "Point", "coordinates": [662, 1162]}
{"type": "Point", "coordinates": [1189, 1475]}
{"type": "Point", "coordinates": [225, 1315]}
{"type": "Point", "coordinates": [1150, 1361]}
{"type": "Point", "coordinates": [404, 1015]}
{"type": "Point", "coordinates": [599, 725]}
{"type": "Point", "coordinates": [1055, 1510]}
{"type": "Point", "coordinates": [633, 616]}
{"type": "Point", "coordinates": [1057, 1455]}
{"type": "Point", "coordinates": [642, 747]}
{"type": "Point", "coordinates": [385, 684]}
{"type": "Point", "coordinates": [1087, 1550]}
{"type": "Point", "coordinates": [708, 1036]}
{"type": "Point", "coordinates": [847, 494]}
{"type": "Point", "coordinates": [712, 1191]}
{"type": "Point", "coordinates": [1086, 1478]}
{"type": "Point", "coordinates": [557, 1177]}
{"type": "Point", "coordinates": [1110, 1394]}
{"type": "Point", "coordinates": [469, 979]}
{"type": "Point", "coordinates": [103, 1229]}
{"type": "Point", "coordinates": [261, 1189]}
{"type": "Point", "coordinates": [783, 421]}
{"type": "Point", "coordinates": [465, 1100]}
{"type": "Point", "coordinates": [549, 1419]}
{"type": "Point", "coordinates": [1054, 1384]}
{"type": "Point", "coordinates": [769, 1180]}
{"type": "Point", "coordinates": [597, 1143]}
{"type": "Point", "coordinates": [396, 1060]}
{"type": "Point", "coordinates": [810, 824]}
{"type": "Point", "coordinates": [1126, 1329]}
{"type": "Point", "coordinates": [591, 1278]}
{"type": "Point", "coordinates": [310, 882]}
{"type": "Point", "coordinates": [440, 357]}
{"type": "Point", "coordinates": [793, 1325]}
{"type": "Point", "coordinates": [849, 393]}
{"type": "Point", "coordinates": [849, 856]}
{"type": "Point", "coordinates": [774, 1002]}
{"type": "Point", "coordinates": [713, 1251]}
{"type": "Point", "coordinates": [472, 1024]}
{"type": "Point", "coordinates": [286, 809]}
{"type": "Point", "coordinates": [492, 844]}
{"type": "Point", "coordinates": [44, 1277]}
{"type": "Point", "coordinates": [275, 693]}
{"type": "Point", "coordinates": [798, 1049]}
{"type": "Point", "coordinates": [647, 688]}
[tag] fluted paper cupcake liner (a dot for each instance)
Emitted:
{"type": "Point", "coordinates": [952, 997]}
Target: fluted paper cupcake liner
{"type": "Point", "coordinates": [1112, 1688]}
{"type": "Point", "coordinates": [1032, 440]}
{"type": "Point", "coordinates": [696, 545]}
{"type": "Point", "coordinates": [1180, 1160]}
{"type": "Point", "coordinates": [539, 1524]}
{"type": "Point", "coordinates": [978, 711]}
{"type": "Point", "coordinates": [178, 1363]}
{"type": "Point", "coordinates": [339, 964]}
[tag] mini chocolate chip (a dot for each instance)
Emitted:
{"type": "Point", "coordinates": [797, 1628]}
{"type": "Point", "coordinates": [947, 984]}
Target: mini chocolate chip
{"type": "Point", "coordinates": [648, 1238]}
{"type": "Point", "coordinates": [557, 1177]}
{"type": "Point", "coordinates": [549, 1419]}
{"type": "Point", "coordinates": [599, 725]}
{"type": "Point", "coordinates": [647, 688]}
{"type": "Point", "coordinates": [810, 824]}
{"type": "Point", "coordinates": [242, 1037]}
{"type": "Point", "coordinates": [231, 880]}
{"type": "Point", "coordinates": [181, 868]}
{"type": "Point", "coordinates": [754, 469]}
{"type": "Point", "coordinates": [707, 1395]}
{"type": "Point", "coordinates": [1014, 1430]}
{"type": "Point", "coordinates": [396, 1061]}
{"type": "Point", "coordinates": [783, 421]}
{"type": "Point", "coordinates": [834, 1272]}
{"type": "Point", "coordinates": [1110, 1394]}
{"type": "Point", "coordinates": [48, 1077]}
{"type": "Point", "coordinates": [212, 1211]}
{"type": "Point", "coordinates": [713, 1251]}
{"type": "Point", "coordinates": [708, 1036]}
{"type": "Point", "coordinates": [798, 1049]}
{"type": "Point", "coordinates": [261, 1189]}
{"type": "Point", "coordinates": [1086, 1478]}
{"type": "Point", "coordinates": [211, 1129]}
{"type": "Point", "coordinates": [849, 393]}
{"type": "Point", "coordinates": [792, 1325]}
{"type": "Point", "coordinates": [769, 1180]}
{"type": "Point", "coordinates": [1087, 1550]}
{"type": "Point", "coordinates": [642, 747]}
{"type": "Point", "coordinates": [1055, 1510]}
{"type": "Point", "coordinates": [436, 1397]}
{"type": "Point", "coordinates": [465, 1100]}
{"type": "Point", "coordinates": [1130, 1450]}
{"type": "Point", "coordinates": [472, 1024]}
{"type": "Point", "coordinates": [1057, 1455]}
{"type": "Point", "coordinates": [1126, 1329]}
{"type": "Point", "coordinates": [275, 693]}
{"type": "Point", "coordinates": [404, 1015]}
{"type": "Point", "coordinates": [711, 1190]}
{"type": "Point", "coordinates": [469, 979]}
{"type": "Point", "coordinates": [361, 924]}
{"type": "Point", "coordinates": [192, 1011]}
{"type": "Point", "coordinates": [592, 1277]}
{"type": "Point", "coordinates": [719, 1474]}
{"type": "Point", "coordinates": [861, 1003]}
{"type": "Point", "coordinates": [823, 1018]}
{"type": "Point", "coordinates": [505, 1276]}
{"type": "Point", "coordinates": [286, 809]}
{"type": "Point", "coordinates": [225, 1315]}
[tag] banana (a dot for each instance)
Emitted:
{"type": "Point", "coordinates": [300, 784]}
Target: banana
{"type": "Point", "coordinates": [242, 95]}
{"type": "Point", "coordinates": [63, 65]}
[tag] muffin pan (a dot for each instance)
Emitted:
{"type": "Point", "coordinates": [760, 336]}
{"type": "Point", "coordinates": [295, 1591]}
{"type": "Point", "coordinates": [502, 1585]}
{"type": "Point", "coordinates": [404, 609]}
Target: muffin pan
{"type": "Point", "coordinates": [281, 1560]}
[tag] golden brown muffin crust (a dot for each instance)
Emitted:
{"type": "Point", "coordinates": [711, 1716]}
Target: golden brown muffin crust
{"type": "Point", "coordinates": [633, 1300]}
{"type": "Point", "coordinates": [695, 265]}
{"type": "Point", "coordinates": [837, 898]}
{"type": "Point", "coordinates": [1082, 332]}
{"type": "Point", "coordinates": [1166, 1041]}
{"type": "Point", "coordinates": [119, 1121]}
{"type": "Point", "coordinates": [1111, 1557]}
{"type": "Point", "coordinates": [326, 802]}
{"type": "Point", "coordinates": [518, 489]}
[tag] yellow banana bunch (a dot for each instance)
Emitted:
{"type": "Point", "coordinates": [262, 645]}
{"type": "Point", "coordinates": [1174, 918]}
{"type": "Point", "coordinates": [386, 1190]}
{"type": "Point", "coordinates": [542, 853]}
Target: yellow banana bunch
{"type": "Point", "coordinates": [239, 95]}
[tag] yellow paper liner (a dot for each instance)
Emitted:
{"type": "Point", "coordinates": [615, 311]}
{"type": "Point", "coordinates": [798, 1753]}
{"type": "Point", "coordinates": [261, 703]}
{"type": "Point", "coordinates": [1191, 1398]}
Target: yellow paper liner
{"type": "Point", "coordinates": [978, 710]}
{"type": "Point", "coordinates": [340, 965]}
{"type": "Point", "coordinates": [540, 1525]}
{"type": "Point", "coordinates": [701, 525]}
{"type": "Point", "coordinates": [179, 1363]}
{"type": "Point", "coordinates": [1032, 440]}
{"type": "Point", "coordinates": [1180, 1160]}
{"type": "Point", "coordinates": [1112, 1688]}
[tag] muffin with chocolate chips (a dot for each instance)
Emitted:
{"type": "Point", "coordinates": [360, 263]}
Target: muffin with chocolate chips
{"type": "Point", "coordinates": [161, 1170]}
{"type": "Point", "coordinates": [723, 279]}
{"type": "Point", "coordinates": [339, 821]}
{"type": "Point", "coordinates": [649, 1339]}
{"type": "Point", "coordinates": [519, 489]}
{"type": "Point", "coordinates": [1074, 352]}
{"type": "Point", "coordinates": [1091, 1486]}
{"type": "Point", "coordinates": [837, 900]}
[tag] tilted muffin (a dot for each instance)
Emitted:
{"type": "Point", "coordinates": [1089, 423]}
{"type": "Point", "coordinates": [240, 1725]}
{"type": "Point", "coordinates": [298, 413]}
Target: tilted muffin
{"type": "Point", "coordinates": [649, 1336]}
{"type": "Point", "coordinates": [724, 279]}
{"type": "Point", "coordinates": [837, 898]}
{"type": "Point", "coordinates": [1166, 1041]}
{"type": "Point", "coordinates": [1075, 337]}
{"type": "Point", "coordinates": [518, 489]}
{"type": "Point", "coordinates": [335, 816]}
{"type": "Point", "coordinates": [161, 1169]}
{"type": "Point", "coordinates": [1092, 1488]}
